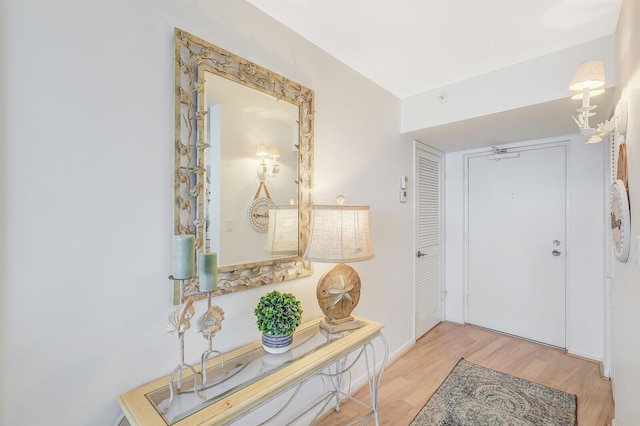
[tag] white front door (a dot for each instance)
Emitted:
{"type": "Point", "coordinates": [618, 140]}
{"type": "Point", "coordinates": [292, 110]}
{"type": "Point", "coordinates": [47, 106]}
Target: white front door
{"type": "Point", "coordinates": [517, 243]}
{"type": "Point", "coordinates": [428, 177]}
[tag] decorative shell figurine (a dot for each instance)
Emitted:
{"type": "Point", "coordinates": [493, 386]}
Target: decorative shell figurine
{"type": "Point", "coordinates": [210, 322]}
{"type": "Point", "coordinates": [179, 319]}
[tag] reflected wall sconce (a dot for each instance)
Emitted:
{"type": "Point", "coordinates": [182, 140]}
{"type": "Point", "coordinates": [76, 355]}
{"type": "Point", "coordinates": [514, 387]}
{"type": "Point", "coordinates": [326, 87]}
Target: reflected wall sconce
{"type": "Point", "coordinates": [589, 81]}
{"type": "Point", "coordinates": [339, 234]}
{"type": "Point", "coordinates": [268, 170]}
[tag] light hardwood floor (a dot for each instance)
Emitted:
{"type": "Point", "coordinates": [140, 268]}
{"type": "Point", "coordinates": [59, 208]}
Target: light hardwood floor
{"type": "Point", "coordinates": [409, 382]}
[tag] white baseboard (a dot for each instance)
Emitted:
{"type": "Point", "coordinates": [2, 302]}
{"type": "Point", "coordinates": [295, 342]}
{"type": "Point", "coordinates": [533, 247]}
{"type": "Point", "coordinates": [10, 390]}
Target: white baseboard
{"type": "Point", "coordinates": [585, 355]}
{"type": "Point", "coordinates": [455, 320]}
{"type": "Point", "coordinates": [590, 357]}
{"type": "Point", "coordinates": [401, 350]}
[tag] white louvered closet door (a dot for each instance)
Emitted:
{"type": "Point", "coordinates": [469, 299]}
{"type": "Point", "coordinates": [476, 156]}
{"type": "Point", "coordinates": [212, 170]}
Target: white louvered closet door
{"type": "Point", "coordinates": [428, 241]}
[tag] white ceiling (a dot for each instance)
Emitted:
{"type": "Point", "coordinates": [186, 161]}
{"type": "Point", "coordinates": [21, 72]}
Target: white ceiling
{"type": "Point", "coordinates": [412, 46]}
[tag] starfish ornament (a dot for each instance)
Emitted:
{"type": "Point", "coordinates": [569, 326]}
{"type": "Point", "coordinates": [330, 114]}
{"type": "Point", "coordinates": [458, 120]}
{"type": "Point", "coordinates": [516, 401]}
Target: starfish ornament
{"type": "Point", "coordinates": [340, 293]}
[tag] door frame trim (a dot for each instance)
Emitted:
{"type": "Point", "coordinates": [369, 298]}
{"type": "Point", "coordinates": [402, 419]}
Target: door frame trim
{"type": "Point", "coordinates": [516, 147]}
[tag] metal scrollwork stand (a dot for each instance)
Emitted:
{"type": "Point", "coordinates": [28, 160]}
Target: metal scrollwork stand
{"type": "Point", "coordinates": [180, 321]}
{"type": "Point", "coordinates": [209, 324]}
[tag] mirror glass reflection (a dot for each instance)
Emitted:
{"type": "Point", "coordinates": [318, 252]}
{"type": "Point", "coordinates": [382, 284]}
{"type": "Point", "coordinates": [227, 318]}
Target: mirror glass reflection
{"type": "Point", "coordinates": [241, 122]}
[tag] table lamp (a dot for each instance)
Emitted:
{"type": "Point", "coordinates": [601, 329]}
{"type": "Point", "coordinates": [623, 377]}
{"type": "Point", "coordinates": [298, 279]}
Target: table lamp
{"type": "Point", "coordinates": [282, 233]}
{"type": "Point", "coordinates": [339, 234]}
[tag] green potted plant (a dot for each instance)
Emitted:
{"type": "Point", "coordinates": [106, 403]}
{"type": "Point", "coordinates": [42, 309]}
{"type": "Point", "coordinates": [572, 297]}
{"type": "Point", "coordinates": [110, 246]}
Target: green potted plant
{"type": "Point", "coordinates": [278, 315]}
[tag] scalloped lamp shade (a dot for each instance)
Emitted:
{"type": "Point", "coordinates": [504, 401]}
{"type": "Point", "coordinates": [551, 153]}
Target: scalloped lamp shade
{"type": "Point", "coordinates": [589, 75]}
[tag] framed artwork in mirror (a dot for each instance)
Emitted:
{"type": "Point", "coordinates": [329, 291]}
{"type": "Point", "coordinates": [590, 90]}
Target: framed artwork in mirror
{"type": "Point", "coordinates": [197, 179]}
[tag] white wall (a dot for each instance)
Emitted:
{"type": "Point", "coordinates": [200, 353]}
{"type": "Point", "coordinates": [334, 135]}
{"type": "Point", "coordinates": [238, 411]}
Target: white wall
{"type": "Point", "coordinates": [531, 82]}
{"type": "Point", "coordinates": [585, 257]}
{"type": "Point", "coordinates": [87, 195]}
{"type": "Point", "coordinates": [626, 276]}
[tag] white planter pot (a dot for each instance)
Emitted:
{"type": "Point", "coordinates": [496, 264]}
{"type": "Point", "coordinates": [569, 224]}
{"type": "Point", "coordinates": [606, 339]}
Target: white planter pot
{"type": "Point", "coordinates": [276, 344]}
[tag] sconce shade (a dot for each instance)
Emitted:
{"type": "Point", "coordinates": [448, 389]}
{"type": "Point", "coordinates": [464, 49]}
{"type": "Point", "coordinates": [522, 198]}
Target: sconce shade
{"type": "Point", "coordinates": [592, 93]}
{"type": "Point", "coordinates": [274, 152]}
{"type": "Point", "coordinates": [262, 150]}
{"type": "Point", "coordinates": [339, 234]}
{"type": "Point", "coordinates": [589, 81]}
{"type": "Point", "coordinates": [589, 75]}
{"type": "Point", "coordinates": [282, 234]}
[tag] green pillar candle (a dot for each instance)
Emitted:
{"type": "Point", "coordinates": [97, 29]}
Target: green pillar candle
{"type": "Point", "coordinates": [208, 272]}
{"type": "Point", "coordinates": [184, 256]}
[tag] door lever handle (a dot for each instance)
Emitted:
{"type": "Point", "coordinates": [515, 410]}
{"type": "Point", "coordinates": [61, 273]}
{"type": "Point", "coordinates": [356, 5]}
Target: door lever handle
{"type": "Point", "coordinates": [420, 254]}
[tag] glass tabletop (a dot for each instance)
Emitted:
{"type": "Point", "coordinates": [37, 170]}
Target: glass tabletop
{"type": "Point", "coordinates": [236, 373]}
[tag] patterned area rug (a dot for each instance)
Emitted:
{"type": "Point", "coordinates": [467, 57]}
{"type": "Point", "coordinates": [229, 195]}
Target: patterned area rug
{"type": "Point", "coordinates": [474, 395]}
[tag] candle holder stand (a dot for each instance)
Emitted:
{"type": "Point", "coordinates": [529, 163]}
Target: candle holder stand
{"type": "Point", "coordinates": [209, 324]}
{"type": "Point", "coordinates": [179, 321]}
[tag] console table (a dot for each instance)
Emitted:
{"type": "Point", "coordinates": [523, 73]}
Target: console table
{"type": "Point", "coordinates": [243, 379]}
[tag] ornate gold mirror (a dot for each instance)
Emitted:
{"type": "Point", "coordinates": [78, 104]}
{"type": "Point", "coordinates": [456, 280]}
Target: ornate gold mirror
{"type": "Point", "coordinates": [225, 108]}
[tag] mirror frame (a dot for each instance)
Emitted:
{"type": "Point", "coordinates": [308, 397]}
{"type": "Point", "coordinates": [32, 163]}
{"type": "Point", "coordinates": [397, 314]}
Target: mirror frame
{"type": "Point", "coordinates": [192, 57]}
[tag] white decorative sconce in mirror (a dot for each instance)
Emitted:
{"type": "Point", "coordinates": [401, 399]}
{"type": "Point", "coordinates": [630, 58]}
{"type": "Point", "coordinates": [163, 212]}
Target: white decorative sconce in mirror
{"type": "Point", "coordinates": [197, 61]}
{"type": "Point", "coordinates": [268, 170]}
{"type": "Point", "coordinates": [589, 81]}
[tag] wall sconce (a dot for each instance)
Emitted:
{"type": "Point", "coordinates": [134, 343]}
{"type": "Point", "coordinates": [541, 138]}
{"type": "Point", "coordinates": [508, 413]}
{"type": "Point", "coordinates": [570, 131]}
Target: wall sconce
{"type": "Point", "coordinates": [268, 170]}
{"type": "Point", "coordinates": [588, 82]}
{"type": "Point", "coordinates": [339, 234]}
